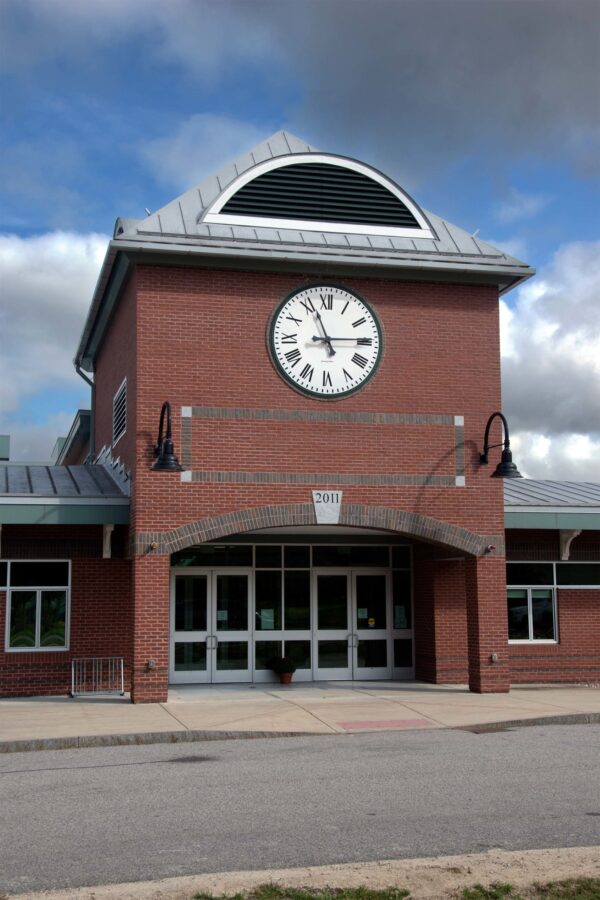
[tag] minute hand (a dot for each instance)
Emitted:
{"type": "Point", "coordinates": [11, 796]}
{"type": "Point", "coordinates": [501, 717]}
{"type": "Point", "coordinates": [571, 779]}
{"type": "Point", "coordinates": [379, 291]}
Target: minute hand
{"type": "Point", "coordinates": [330, 338]}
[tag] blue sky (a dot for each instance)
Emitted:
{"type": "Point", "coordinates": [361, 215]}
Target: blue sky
{"type": "Point", "coordinates": [486, 112]}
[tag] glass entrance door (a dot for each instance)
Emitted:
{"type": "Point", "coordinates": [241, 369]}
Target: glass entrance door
{"type": "Point", "coordinates": [352, 634]}
{"type": "Point", "coordinates": [190, 629]}
{"type": "Point", "coordinates": [371, 608]}
{"type": "Point", "coordinates": [231, 657]}
{"type": "Point", "coordinates": [210, 633]}
{"type": "Point", "coordinates": [332, 634]}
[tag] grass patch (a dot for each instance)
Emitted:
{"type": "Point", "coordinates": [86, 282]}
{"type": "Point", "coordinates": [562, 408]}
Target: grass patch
{"type": "Point", "coordinates": [571, 889]}
{"type": "Point", "coordinates": [274, 892]}
{"type": "Point", "coordinates": [494, 892]}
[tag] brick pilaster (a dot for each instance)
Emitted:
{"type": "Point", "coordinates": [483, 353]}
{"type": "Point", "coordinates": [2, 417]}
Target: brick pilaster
{"type": "Point", "coordinates": [487, 628]}
{"type": "Point", "coordinates": [150, 628]}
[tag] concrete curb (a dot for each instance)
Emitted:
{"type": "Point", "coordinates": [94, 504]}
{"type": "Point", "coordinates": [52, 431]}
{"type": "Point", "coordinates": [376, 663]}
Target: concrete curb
{"type": "Point", "coordinates": [189, 737]}
{"type": "Point", "coordinates": [145, 737]}
{"type": "Point", "coordinates": [561, 719]}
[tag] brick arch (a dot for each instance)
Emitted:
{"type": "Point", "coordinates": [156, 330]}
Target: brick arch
{"type": "Point", "coordinates": [358, 515]}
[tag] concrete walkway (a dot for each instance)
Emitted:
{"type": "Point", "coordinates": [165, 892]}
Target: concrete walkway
{"type": "Point", "coordinates": [221, 711]}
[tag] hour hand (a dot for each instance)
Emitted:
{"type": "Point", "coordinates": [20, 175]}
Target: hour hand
{"type": "Point", "coordinates": [325, 337]}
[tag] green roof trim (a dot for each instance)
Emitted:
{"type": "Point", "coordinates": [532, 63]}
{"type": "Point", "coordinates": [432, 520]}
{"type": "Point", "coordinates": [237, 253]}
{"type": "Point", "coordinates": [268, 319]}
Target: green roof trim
{"type": "Point", "coordinates": [586, 521]}
{"type": "Point", "coordinates": [64, 514]}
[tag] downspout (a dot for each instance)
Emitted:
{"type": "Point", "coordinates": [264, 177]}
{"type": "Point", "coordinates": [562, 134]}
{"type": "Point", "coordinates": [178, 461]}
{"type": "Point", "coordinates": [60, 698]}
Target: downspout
{"type": "Point", "coordinates": [89, 381]}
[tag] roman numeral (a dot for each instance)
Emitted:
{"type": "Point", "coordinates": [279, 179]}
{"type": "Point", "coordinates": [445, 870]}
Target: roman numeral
{"type": "Point", "coordinates": [347, 375]}
{"type": "Point", "coordinates": [364, 342]}
{"type": "Point", "coordinates": [307, 372]}
{"type": "Point", "coordinates": [326, 301]}
{"type": "Point", "coordinates": [292, 319]}
{"type": "Point", "coordinates": [359, 360]}
{"type": "Point", "coordinates": [308, 305]}
{"type": "Point", "coordinates": [293, 357]}
{"type": "Point", "coordinates": [327, 380]}
{"type": "Point", "coordinates": [345, 307]}
{"type": "Point", "coordinates": [290, 338]}
{"type": "Point", "coordinates": [359, 322]}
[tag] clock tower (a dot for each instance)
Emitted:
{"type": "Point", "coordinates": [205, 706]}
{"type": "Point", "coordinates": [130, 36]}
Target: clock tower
{"type": "Point", "coordinates": [330, 354]}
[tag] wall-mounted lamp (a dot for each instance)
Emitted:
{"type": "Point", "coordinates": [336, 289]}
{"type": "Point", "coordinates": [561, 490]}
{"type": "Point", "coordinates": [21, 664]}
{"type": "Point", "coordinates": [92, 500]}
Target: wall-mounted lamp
{"type": "Point", "coordinates": [506, 467]}
{"type": "Point", "coordinates": [165, 461]}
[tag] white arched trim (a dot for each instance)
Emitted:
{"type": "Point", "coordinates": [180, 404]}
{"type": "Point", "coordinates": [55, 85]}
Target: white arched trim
{"type": "Point", "coordinates": [214, 216]}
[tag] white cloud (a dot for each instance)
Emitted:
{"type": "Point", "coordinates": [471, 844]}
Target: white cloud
{"type": "Point", "coordinates": [34, 441]}
{"type": "Point", "coordinates": [521, 206]}
{"type": "Point", "coordinates": [47, 284]}
{"type": "Point", "coordinates": [202, 145]}
{"type": "Point", "coordinates": [570, 457]}
{"type": "Point", "coordinates": [551, 367]}
{"type": "Point", "coordinates": [203, 36]}
{"type": "Point", "coordinates": [513, 246]}
{"type": "Point", "coordinates": [492, 77]}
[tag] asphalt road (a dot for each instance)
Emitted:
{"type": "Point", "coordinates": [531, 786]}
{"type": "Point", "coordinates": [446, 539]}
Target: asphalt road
{"type": "Point", "coordinates": [83, 817]}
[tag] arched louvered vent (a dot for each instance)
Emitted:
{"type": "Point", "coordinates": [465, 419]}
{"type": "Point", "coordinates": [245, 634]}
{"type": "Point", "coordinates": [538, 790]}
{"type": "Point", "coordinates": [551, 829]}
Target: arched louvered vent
{"type": "Point", "coordinates": [320, 192]}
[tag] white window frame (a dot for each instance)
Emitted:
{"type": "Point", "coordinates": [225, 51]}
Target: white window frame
{"type": "Point", "coordinates": [122, 389]}
{"type": "Point", "coordinates": [529, 588]}
{"type": "Point", "coordinates": [38, 608]}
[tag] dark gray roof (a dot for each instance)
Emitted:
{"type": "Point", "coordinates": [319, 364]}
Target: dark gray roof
{"type": "Point", "coordinates": [527, 492]}
{"type": "Point", "coordinates": [182, 226]}
{"type": "Point", "coordinates": [60, 482]}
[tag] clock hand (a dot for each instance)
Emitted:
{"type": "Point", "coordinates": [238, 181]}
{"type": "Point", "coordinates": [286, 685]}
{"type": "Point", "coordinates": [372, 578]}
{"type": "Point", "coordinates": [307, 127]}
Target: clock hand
{"type": "Point", "coordinates": [329, 338]}
{"type": "Point", "coordinates": [326, 338]}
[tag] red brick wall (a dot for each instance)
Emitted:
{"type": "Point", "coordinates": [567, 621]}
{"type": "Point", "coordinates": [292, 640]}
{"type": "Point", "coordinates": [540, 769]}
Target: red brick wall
{"type": "Point", "coordinates": [101, 614]}
{"type": "Point", "coordinates": [115, 361]}
{"type": "Point", "coordinates": [201, 340]}
{"type": "Point", "coordinates": [440, 628]}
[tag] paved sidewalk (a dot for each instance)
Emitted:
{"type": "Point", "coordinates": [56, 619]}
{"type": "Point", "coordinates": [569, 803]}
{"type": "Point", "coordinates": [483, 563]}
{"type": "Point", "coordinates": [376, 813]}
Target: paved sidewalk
{"type": "Point", "coordinates": [220, 711]}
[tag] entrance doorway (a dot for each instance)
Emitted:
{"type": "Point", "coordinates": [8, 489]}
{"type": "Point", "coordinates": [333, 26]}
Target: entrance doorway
{"type": "Point", "coordinates": [352, 636]}
{"type": "Point", "coordinates": [210, 634]}
{"type": "Point", "coordinates": [335, 622]}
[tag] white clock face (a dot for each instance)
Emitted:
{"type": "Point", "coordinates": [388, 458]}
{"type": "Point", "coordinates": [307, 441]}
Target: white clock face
{"type": "Point", "coordinates": [325, 341]}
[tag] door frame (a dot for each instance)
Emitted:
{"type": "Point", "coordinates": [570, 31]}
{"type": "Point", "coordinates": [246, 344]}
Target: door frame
{"type": "Point", "coordinates": [211, 636]}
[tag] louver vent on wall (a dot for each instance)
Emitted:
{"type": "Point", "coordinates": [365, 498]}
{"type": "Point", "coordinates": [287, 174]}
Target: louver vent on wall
{"type": "Point", "coordinates": [120, 412]}
{"type": "Point", "coordinates": [320, 192]}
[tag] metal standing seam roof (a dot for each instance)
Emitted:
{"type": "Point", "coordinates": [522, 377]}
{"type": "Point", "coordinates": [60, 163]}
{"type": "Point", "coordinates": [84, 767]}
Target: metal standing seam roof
{"type": "Point", "coordinates": [528, 492]}
{"type": "Point", "coordinates": [179, 227]}
{"type": "Point", "coordinates": [58, 482]}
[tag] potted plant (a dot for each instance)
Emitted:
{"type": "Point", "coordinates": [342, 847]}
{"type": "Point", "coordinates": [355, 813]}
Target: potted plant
{"type": "Point", "coordinates": [284, 667]}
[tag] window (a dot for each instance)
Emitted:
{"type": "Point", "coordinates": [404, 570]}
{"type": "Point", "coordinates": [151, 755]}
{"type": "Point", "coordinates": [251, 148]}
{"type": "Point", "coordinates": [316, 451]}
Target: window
{"type": "Point", "coordinates": [37, 604]}
{"type": "Point", "coordinates": [120, 412]}
{"type": "Point", "coordinates": [531, 614]}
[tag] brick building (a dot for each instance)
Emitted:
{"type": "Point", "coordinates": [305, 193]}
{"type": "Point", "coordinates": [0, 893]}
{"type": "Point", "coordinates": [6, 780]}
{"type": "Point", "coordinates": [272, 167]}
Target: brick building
{"type": "Point", "coordinates": [330, 355]}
